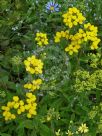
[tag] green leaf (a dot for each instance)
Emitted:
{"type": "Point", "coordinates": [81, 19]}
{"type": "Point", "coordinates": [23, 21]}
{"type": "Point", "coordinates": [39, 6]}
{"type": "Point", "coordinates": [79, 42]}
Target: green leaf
{"type": "Point", "coordinates": [45, 131]}
{"type": "Point", "coordinates": [26, 124]}
{"type": "Point", "coordinates": [4, 134]}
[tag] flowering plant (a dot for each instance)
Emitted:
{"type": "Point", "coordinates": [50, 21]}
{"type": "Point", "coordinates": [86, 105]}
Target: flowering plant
{"type": "Point", "coordinates": [52, 6]}
{"type": "Point", "coordinates": [51, 68]}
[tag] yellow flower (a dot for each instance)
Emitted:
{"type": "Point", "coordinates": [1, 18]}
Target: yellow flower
{"type": "Point", "coordinates": [8, 115]}
{"type": "Point", "coordinates": [22, 108]}
{"type": "Point", "coordinates": [21, 102]}
{"type": "Point", "coordinates": [73, 17]}
{"type": "Point", "coordinates": [33, 98]}
{"type": "Point", "coordinates": [95, 44]}
{"type": "Point", "coordinates": [29, 95]}
{"type": "Point", "coordinates": [69, 133]}
{"type": "Point", "coordinates": [4, 113]}
{"type": "Point", "coordinates": [10, 104]}
{"type": "Point", "coordinates": [28, 86]}
{"type": "Point", "coordinates": [16, 98]}
{"type": "Point", "coordinates": [16, 105]}
{"type": "Point", "coordinates": [62, 34]}
{"type": "Point", "coordinates": [28, 100]}
{"type": "Point", "coordinates": [72, 48]}
{"type": "Point", "coordinates": [13, 116]}
{"type": "Point", "coordinates": [58, 133]}
{"type": "Point", "coordinates": [19, 111]}
{"type": "Point", "coordinates": [29, 115]}
{"type": "Point", "coordinates": [35, 85]}
{"type": "Point", "coordinates": [49, 118]}
{"type": "Point", "coordinates": [29, 106]}
{"type": "Point", "coordinates": [32, 112]}
{"type": "Point", "coordinates": [41, 39]}
{"type": "Point", "coordinates": [91, 34]}
{"type": "Point", "coordinates": [83, 128]}
{"type": "Point", "coordinates": [5, 108]}
{"type": "Point", "coordinates": [33, 65]}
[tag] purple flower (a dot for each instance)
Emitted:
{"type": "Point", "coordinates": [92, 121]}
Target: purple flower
{"type": "Point", "coordinates": [52, 6]}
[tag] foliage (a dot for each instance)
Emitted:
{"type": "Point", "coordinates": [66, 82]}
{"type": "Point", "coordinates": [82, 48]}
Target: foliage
{"type": "Point", "coordinates": [69, 95]}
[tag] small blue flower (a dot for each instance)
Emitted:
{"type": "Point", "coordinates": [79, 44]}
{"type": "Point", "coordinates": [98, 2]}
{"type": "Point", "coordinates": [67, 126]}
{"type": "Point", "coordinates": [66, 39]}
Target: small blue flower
{"type": "Point", "coordinates": [52, 6]}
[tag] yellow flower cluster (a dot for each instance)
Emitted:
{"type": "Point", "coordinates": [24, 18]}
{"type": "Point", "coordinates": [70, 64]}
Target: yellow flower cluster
{"type": "Point", "coordinates": [6, 111]}
{"type": "Point", "coordinates": [41, 39]}
{"type": "Point", "coordinates": [33, 65]}
{"type": "Point", "coordinates": [31, 105]}
{"type": "Point", "coordinates": [79, 37]}
{"type": "Point", "coordinates": [83, 36]}
{"type": "Point", "coordinates": [62, 34]}
{"type": "Point", "coordinates": [83, 128]}
{"type": "Point", "coordinates": [72, 48]}
{"type": "Point", "coordinates": [91, 34]}
{"type": "Point", "coordinates": [18, 107]}
{"type": "Point", "coordinates": [73, 17]}
{"type": "Point", "coordinates": [35, 85]}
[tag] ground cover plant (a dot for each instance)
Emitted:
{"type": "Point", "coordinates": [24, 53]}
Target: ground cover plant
{"type": "Point", "coordinates": [50, 68]}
